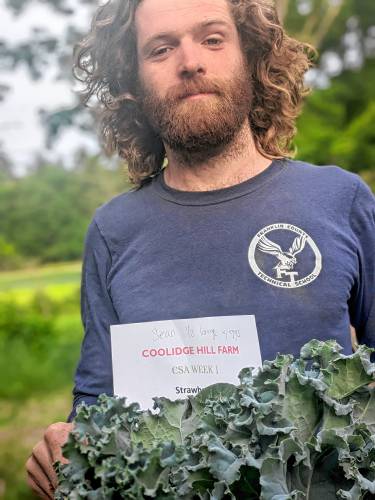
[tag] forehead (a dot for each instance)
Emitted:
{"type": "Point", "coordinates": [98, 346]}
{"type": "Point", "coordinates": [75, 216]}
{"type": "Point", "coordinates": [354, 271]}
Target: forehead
{"type": "Point", "coordinates": [153, 16]}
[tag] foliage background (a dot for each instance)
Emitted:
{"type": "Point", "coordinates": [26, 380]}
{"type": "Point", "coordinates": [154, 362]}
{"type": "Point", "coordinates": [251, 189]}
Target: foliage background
{"type": "Point", "coordinates": [45, 212]}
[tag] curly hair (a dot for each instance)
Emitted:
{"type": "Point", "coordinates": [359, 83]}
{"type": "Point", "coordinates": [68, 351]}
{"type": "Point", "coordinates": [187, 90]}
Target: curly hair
{"type": "Point", "coordinates": [105, 61]}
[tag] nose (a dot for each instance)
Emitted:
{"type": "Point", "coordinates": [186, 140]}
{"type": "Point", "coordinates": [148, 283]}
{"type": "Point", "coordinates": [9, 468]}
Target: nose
{"type": "Point", "coordinates": [190, 60]}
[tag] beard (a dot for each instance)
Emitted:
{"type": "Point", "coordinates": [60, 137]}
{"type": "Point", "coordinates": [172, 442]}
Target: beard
{"type": "Point", "coordinates": [200, 128]}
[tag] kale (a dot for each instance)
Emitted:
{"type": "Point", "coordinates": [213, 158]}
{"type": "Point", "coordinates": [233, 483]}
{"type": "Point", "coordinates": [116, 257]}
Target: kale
{"type": "Point", "coordinates": [293, 429]}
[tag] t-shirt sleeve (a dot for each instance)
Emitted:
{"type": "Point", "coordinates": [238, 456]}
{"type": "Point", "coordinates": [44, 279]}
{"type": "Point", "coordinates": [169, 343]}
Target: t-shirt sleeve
{"type": "Point", "coordinates": [362, 302]}
{"type": "Point", "coordinates": [94, 372]}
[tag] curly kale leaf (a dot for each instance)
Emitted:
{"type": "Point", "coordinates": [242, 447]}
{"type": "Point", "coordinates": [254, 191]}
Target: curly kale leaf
{"type": "Point", "coordinates": [293, 429]}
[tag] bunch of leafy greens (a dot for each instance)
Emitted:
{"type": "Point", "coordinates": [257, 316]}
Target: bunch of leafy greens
{"type": "Point", "coordinates": [296, 429]}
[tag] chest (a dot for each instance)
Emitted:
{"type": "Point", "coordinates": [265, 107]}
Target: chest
{"type": "Point", "coordinates": [207, 263]}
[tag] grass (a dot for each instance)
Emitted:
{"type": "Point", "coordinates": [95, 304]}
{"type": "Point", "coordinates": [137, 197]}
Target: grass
{"type": "Point", "coordinates": [37, 382]}
{"type": "Point", "coordinates": [24, 427]}
{"type": "Point", "coordinates": [49, 277]}
{"type": "Point", "coordinates": [57, 293]}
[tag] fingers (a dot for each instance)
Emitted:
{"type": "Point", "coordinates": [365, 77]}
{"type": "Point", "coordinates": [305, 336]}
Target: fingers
{"type": "Point", "coordinates": [55, 437]}
{"type": "Point", "coordinates": [42, 494]}
{"type": "Point", "coordinates": [41, 475]}
{"type": "Point", "coordinates": [36, 479]}
{"type": "Point", "coordinates": [42, 462]}
{"type": "Point", "coordinates": [354, 339]}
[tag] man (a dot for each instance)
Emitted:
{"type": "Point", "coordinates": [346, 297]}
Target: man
{"type": "Point", "coordinates": [231, 226]}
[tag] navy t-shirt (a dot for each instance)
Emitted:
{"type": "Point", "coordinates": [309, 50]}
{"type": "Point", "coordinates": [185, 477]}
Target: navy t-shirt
{"type": "Point", "coordinates": [294, 246]}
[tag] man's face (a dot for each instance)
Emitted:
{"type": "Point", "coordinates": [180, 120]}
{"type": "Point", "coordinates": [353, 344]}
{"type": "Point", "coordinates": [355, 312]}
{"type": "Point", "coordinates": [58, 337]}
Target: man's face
{"type": "Point", "coordinates": [195, 86]}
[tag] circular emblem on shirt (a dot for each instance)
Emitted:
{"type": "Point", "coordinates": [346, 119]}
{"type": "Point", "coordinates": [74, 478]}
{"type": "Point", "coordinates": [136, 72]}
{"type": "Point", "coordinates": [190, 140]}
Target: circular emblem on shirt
{"type": "Point", "coordinates": [285, 256]}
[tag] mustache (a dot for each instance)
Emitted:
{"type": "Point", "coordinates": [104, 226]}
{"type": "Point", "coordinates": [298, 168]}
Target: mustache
{"type": "Point", "coordinates": [192, 87]}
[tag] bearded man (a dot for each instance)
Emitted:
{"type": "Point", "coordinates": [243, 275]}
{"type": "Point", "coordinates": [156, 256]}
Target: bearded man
{"type": "Point", "coordinates": [200, 98]}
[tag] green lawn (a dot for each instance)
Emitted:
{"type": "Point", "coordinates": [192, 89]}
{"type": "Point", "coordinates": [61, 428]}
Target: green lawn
{"type": "Point", "coordinates": [58, 280]}
{"type": "Point", "coordinates": [36, 366]}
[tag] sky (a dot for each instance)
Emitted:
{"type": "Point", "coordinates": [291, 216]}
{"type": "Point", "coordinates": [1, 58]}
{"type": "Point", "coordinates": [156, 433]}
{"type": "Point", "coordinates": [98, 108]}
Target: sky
{"type": "Point", "coordinates": [21, 135]}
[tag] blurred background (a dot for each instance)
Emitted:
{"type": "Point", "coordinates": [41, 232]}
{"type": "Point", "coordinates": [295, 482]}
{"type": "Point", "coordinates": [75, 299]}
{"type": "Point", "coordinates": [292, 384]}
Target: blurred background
{"type": "Point", "coordinates": [52, 177]}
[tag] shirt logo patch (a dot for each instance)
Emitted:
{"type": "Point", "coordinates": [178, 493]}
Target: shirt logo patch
{"type": "Point", "coordinates": [285, 256]}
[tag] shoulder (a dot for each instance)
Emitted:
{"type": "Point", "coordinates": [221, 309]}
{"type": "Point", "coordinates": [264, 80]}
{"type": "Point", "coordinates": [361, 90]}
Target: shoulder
{"type": "Point", "coordinates": [328, 182]}
{"type": "Point", "coordinates": [322, 174]}
{"type": "Point", "coordinates": [124, 205]}
{"type": "Point", "coordinates": [329, 192]}
{"type": "Point", "coordinates": [116, 217]}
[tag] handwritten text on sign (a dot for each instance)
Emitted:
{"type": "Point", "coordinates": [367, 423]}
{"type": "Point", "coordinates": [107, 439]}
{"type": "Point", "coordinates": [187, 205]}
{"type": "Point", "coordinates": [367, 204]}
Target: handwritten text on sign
{"type": "Point", "coordinates": [176, 358]}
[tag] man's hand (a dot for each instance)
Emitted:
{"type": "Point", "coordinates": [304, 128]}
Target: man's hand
{"type": "Point", "coordinates": [41, 476]}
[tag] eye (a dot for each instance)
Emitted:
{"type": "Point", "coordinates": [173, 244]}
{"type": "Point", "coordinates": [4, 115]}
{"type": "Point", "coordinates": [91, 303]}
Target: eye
{"type": "Point", "coordinates": [213, 41]}
{"type": "Point", "coordinates": [160, 51]}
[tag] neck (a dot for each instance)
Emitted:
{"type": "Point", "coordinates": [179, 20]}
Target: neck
{"type": "Point", "coordinates": [238, 162]}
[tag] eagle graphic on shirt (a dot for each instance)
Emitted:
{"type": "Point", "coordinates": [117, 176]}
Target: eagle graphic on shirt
{"type": "Point", "coordinates": [287, 260]}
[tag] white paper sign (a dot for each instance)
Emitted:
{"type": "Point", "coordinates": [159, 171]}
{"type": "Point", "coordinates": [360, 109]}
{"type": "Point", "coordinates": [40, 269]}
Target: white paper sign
{"type": "Point", "coordinates": [178, 358]}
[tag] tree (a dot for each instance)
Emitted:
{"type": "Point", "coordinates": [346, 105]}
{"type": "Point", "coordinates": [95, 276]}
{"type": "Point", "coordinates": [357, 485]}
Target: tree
{"type": "Point", "coordinates": [337, 123]}
{"type": "Point", "coordinates": [44, 215]}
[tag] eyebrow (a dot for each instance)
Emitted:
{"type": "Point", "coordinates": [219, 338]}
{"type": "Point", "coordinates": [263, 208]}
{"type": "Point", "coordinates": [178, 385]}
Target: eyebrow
{"type": "Point", "coordinates": [169, 34]}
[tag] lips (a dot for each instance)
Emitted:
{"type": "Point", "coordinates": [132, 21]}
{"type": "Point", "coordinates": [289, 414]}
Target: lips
{"type": "Point", "coordinates": [196, 95]}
